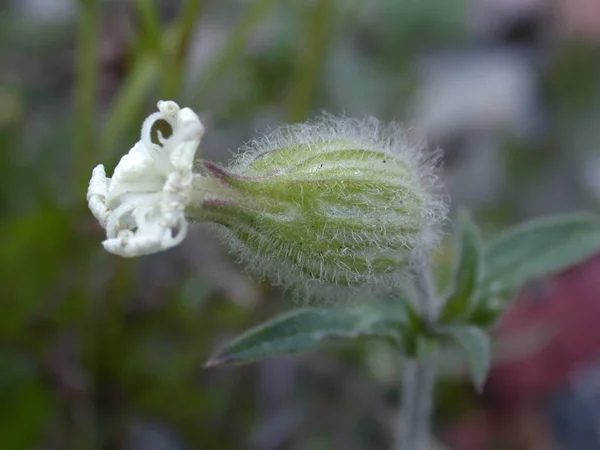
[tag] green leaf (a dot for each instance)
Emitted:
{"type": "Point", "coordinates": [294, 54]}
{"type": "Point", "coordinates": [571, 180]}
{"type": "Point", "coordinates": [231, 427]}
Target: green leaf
{"type": "Point", "coordinates": [468, 271]}
{"type": "Point", "coordinates": [540, 248]}
{"type": "Point", "coordinates": [532, 250]}
{"type": "Point", "coordinates": [308, 329]}
{"type": "Point", "coordinates": [477, 347]}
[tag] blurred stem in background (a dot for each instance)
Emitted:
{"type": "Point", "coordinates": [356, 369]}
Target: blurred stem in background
{"type": "Point", "coordinates": [231, 50]}
{"type": "Point", "coordinates": [166, 62]}
{"type": "Point", "coordinates": [151, 26]}
{"type": "Point", "coordinates": [176, 42]}
{"type": "Point", "coordinates": [86, 90]}
{"type": "Point", "coordinates": [311, 60]}
{"type": "Point", "coordinates": [125, 109]}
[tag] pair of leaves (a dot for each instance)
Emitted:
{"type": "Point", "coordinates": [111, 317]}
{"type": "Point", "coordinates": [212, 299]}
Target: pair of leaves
{"type": "Point", "coordinates": [530, 251]}
{"type": "Point", "coordinates": [488, 276]}
{"type": "Point", "coordinates": [533, 250]}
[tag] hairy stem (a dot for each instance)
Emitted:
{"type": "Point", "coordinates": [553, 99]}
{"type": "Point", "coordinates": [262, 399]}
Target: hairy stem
{"type": "Point", "coordinates": [418, 382]}
{"type": "Point", "coordinates": [419, 374]}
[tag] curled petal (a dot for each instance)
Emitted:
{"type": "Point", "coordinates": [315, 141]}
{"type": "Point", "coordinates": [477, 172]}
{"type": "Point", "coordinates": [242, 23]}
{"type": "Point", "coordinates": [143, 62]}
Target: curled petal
{"type": "Point", "coordinates": [96, 196]}
{"type": "Point", "coordinates": [142, 205]}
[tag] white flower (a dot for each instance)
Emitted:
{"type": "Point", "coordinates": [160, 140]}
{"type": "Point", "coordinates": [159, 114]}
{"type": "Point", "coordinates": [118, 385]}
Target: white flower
{"type": "Point", "coordinates": [142, 205]}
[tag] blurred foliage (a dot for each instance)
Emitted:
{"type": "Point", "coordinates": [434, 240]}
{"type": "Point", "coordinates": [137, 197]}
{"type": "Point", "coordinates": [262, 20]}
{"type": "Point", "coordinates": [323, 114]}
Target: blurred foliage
{"type": "Point", "coordinates": [98, 352]}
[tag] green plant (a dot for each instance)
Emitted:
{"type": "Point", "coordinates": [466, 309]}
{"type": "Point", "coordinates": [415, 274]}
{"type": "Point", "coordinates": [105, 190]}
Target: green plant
{"type": "Point", "coordinates": [332, 210]}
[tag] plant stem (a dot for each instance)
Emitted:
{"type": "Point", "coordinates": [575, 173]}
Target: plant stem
{"type": "Point", "coordinates": [418, 380]}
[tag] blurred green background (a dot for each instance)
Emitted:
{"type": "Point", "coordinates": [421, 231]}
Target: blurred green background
{"type": "Point", "coordinates": [101, 352]}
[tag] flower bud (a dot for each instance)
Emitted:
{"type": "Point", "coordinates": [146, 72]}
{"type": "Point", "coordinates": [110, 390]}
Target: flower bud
{"type": "Point", "coordinates": [315, 206]}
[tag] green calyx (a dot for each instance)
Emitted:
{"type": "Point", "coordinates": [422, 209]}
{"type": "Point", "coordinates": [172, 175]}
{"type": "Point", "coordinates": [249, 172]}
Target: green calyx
{"type": "Point", "coordinates": [323, 212]}
{"type": "Point", "coordinates": [340, 215]}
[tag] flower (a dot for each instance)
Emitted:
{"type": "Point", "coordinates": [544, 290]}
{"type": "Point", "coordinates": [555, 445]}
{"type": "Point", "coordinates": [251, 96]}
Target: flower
{"type": "Point", "coordinates": [142, 205]}
{"type": "Point", "coordinates": [317, 207]}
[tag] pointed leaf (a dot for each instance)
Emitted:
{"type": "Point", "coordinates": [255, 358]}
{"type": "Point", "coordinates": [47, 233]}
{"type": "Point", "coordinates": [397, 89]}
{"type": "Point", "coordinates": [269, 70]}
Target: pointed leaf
{"type": "Point", "coordinates": [540, 248]}
{"type": "Point", "coordinates": [468, 270]}
{"type": "Point", "coordinates": [477, 347]}
{"type": "Point", "coordinates": [535, 249]}
{"type": "Point", "coordinates": [307, 329]}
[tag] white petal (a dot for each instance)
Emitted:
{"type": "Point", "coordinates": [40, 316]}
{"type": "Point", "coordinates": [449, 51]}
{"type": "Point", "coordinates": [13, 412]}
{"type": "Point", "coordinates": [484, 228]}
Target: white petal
{"type": "Point", "coordinates": [142, 206]}
{"type": "Point", "coordinates": [96, 195]}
